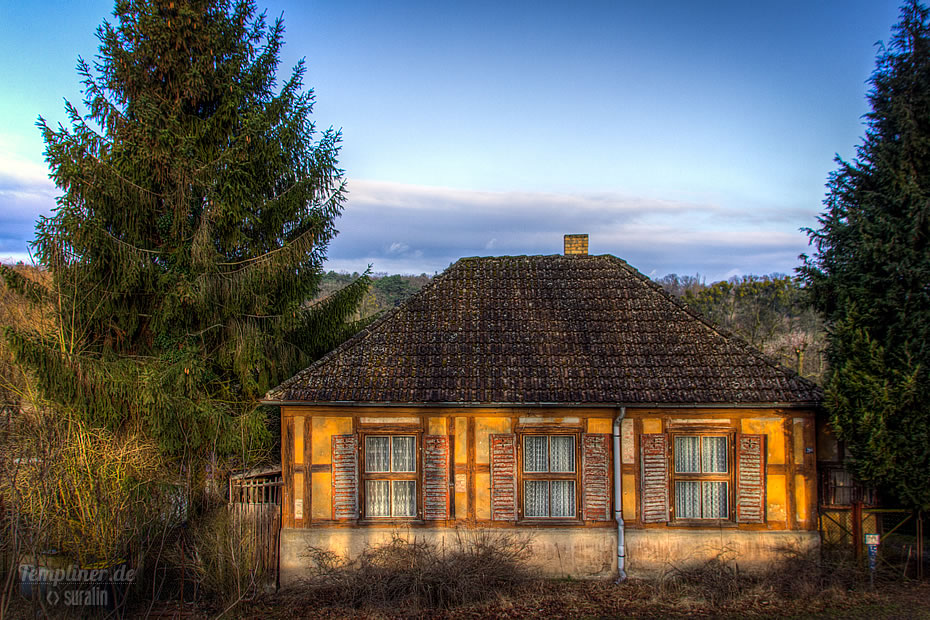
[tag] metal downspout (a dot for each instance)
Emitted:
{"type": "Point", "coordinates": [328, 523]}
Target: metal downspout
{"type": "Point", "coordinates": [618, 499]}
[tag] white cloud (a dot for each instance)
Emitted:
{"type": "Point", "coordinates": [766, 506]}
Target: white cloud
{"type": "Point", "coordinates": [656, 235]}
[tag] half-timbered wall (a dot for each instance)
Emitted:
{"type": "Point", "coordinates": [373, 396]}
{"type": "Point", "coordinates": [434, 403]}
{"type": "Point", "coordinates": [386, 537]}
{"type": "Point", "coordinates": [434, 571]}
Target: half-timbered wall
{"type": "Point", "coordinates": [470, 466]}
{"type": "Point", "coordinates": [772, 469]}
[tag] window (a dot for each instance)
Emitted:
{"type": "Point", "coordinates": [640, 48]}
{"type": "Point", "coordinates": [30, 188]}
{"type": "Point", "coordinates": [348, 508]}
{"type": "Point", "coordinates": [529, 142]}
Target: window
{"type": "Point", "coordinates": [701, 477]}
{"type": "Point", "coordinates": [549, 476]}
{"type": "Point", "coordinates": [390, 475]}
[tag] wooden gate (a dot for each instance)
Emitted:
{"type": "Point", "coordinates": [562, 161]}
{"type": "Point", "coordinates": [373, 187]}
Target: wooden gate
{"type": "Point", "coordinates": [255, 506]}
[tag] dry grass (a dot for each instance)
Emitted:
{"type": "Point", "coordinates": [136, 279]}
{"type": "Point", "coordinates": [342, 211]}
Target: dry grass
{"type": "Point", "coordinates": [797, 586]}
{"type": "Point", "coordinates": [416, 574]}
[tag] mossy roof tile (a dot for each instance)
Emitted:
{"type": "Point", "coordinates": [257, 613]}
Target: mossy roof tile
{"type": "Point", "coordinates": [545, 329]}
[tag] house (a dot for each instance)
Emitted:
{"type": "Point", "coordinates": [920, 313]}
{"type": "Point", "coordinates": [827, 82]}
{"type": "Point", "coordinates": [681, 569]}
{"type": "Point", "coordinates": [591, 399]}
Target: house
{"type": "Point", "coordinates": [568, 396]}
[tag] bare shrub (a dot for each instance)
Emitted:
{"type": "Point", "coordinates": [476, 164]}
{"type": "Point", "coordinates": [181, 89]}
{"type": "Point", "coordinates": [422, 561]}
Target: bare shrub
{"type": "Point", "coordinates": [217, 556]}
{"type": "Point", "coordinates": [414, 572]}
{"type": "Point", "coordinates": [716, 581]}
{"type": "Point", "coordinates": [798, 576]}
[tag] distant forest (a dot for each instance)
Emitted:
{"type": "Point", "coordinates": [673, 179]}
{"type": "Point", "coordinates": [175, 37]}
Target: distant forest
{"type": "Point", "coordinates": [769, 311]}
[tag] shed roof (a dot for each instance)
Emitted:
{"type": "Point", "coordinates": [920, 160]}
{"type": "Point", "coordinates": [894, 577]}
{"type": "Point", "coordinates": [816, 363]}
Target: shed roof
{"type": "Point", "coordinates": [545, 330]}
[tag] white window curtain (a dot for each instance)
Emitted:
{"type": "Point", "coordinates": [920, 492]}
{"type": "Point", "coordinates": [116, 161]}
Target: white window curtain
{"type": "Point", "coordinates": [390, 498]}
{"type": "Point", "coordinates": [405, 498]}
{"type": "Point", "coordinates": [563, 498]}
{"type": "Point", "coordinates": [535, 453]}
{"type": "Point", "coordinates": [687, 456]}
{"type": "Point", "coordinates": [377, 453]}
{"type": "Point", "coordinates": [714, 455]}
{"type": "Point", "coordinates": [404, 449]}
{"type": "Point", "coordinates": [687, 499]}
{"type": "Point", "coordinates": [536, 498]}
{"type": "Point", "coordinates": [696, 499]}
{"type": "Point", "coordinates": [563, 453]}
{"type": "Point", "coordinates": [377, 498]}
{"type": "Point", "coordinates": [714, 500]}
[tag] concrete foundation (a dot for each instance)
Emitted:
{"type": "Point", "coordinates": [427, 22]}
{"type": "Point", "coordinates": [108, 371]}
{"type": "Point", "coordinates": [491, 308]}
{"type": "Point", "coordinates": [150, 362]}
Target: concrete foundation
{"type": "Point", "coordinates": [579, 553]}
{"type": "Point", "coordinates": [651, 552]}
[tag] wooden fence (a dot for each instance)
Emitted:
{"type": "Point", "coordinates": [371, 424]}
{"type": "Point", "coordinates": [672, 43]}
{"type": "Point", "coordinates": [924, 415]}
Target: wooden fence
{"type": "Point", "coordinates": [901, 535]}
{"type": "Point", "coordinates": [255, 506]}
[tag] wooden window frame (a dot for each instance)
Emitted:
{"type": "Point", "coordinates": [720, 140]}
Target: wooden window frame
{"type": "Point", "coordinates": [416, 475]}
{"type": "Point", "coordinates": [729, 477]}
{"type": "Point", "coordinates": [523, 476]}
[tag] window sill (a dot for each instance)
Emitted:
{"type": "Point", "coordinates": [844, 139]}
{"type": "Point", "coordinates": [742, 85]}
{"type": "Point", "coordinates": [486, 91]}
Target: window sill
{"type": "Point", "coordinates": [390, 521]}
{"type": "Point", "coordinates": [715, 523]}
{"type": "Point", "coordinates": [554, 521]}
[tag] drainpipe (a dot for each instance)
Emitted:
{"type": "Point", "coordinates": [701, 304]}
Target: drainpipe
{"type": "Point", "coordinates": [618, 499]}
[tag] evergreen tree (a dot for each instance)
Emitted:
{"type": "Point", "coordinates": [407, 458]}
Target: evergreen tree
{"type": "Point", "coordinates": [196, 208]}
{"type": "Point", "coordinates": [870, 274]}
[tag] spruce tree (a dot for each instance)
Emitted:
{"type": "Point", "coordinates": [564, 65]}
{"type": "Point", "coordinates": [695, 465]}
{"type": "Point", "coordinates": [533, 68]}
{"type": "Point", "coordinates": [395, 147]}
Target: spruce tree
{"type": "Point", "coordinates": [870, 274]}
{"type": "Point", "coordinates": [197, 202]}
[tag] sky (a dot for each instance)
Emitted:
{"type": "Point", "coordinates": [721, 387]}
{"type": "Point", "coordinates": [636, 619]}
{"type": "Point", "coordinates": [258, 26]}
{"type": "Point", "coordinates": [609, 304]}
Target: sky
{"type": "Point", "coordinates": [684, 137]}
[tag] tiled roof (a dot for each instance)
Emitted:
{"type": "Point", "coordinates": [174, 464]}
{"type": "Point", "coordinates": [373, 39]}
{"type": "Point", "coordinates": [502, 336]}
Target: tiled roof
{"type": "Point", "coordinates": [545, 329]}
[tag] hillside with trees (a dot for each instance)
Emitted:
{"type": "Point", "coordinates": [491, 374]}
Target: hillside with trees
{"type": "Point", "coordinates": [386, 291]}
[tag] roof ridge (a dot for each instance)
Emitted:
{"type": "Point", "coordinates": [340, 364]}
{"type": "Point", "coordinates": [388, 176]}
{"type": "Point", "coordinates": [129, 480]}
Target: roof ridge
{"type": "Point", "coordinates": [722, 331]}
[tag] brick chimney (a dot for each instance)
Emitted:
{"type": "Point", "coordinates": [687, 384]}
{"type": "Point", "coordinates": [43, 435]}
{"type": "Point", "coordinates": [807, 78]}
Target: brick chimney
{"type": "Point", "coordinates": [576, 245]}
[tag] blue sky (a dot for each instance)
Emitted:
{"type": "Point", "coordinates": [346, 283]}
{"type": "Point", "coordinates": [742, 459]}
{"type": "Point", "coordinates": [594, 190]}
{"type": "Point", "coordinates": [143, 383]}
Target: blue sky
{"type": "Point", "coordinates": [686, 137]}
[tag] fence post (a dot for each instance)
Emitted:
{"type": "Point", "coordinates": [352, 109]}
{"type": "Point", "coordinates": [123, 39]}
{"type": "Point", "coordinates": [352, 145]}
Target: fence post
{"type": "Point", "coordinates": [856, 518]}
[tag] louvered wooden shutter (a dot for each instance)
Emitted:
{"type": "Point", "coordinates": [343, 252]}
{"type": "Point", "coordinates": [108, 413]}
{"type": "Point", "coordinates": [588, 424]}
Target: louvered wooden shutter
{"type": "Point", "coordinates": [595, 476]}
{"type": "Point", "coordinates": [750, 478]}
{"type": "Point", "coordinates": [654, 460]}
{"type": "Point", "coordinates": [436, 477]}
{"type": "Point", "coordinates": [504, 477]}
{"type": "Point", "coordinates": [345, 477]}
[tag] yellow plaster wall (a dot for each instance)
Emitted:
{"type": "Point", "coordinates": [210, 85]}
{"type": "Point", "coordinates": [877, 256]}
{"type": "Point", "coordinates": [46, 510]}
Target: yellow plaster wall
{"type": "Point", "coordinates": [322, 430]}
{"type": "Point", "coordinates": [321, 495]}
{"type": "Point", "coordinates": [436, 426]}
{"type": "Point", "coordinates": [298, 440]}
{"type": "Point", "coordinates": [774, 432]}
{"type": "Point", "coordinates": [629, 496]}
{"type": "Point", "coordinates": [802, 490]}
{"type": "Point", "coordinates": [652, 425]}
{"type": "Point", "coordinates": [461, 440]}
{"type": "Point", "coordinates": [801, 440]}
{"type": "Point", "coordinates": [776, 497]}
{"type": "Point", "coordinates": [483, 495]}
{"type": "Point", "coordinates": [461, 504]}
{"type": "Point", "coordinates": [299, 497]}
{"type": "Point", "coordinates": [484, 427]}
{"type": "Point", "coordinates": [600, 425]}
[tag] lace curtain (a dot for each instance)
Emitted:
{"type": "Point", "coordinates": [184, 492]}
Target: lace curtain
{"type": "Point", "coordinates": [543, 453]}
{"type": "Point", "coordinates": [390, 498]}
{"type": "Point", "coordinates": [696, 499]}
{"type": "Point", "coordinates": [549, 498]}
{"type": "Point", "coordinates": [549, 454]}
